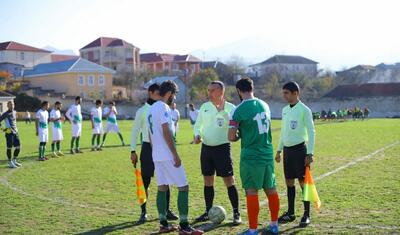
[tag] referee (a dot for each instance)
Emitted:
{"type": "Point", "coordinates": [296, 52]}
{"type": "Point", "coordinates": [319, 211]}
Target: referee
{"type": "Point", "coordinates": [146, 159]}
{"type": "Point", "coordinates": [297, 143]}
{"type": "Point", "coordinates": [211, 128]}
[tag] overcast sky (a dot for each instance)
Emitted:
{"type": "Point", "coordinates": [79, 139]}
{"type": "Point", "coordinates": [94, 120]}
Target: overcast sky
{"type": "Point", "coordinates": [335, 33]}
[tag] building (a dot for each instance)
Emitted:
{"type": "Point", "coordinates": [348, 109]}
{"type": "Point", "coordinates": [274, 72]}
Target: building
{"type": "Point", "coordinates": [366, 90]}
{"type": "Point", "coordinates": [180, 97]}
{"type": "Point", "coordinates": [5, 97]}
{"type": "Point", "coordinates": [286, 66]}
{"type": "Point", "coordinates": [14, 70]}
{"type": "Point", "coordinates": [170, 64]}
{"type": "Point", "coordinates": [61, 57]}
{"type": "Point", "coordinates": [18, 53]}
{"type": "Point", "coordinates": [71, 78]}
{"type": "Point", "coordinates": [113, 53]}
{"type": "Point", "coordinates": [381, 73]}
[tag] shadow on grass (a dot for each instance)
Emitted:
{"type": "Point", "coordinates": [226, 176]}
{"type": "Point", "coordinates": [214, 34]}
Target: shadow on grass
{"type": "Point", "coordinates": [114, 227]}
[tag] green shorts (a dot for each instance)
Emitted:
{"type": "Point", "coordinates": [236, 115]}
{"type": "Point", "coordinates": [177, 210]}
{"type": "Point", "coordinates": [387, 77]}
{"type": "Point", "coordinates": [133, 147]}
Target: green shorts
{"type": "Point", "coordinates": [258, 177]}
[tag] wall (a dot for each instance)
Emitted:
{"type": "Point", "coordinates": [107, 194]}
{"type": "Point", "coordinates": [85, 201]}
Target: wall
{"type": "Point", "coordinates": [30, 58]}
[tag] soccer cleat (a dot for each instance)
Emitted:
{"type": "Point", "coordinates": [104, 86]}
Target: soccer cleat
{"type": "Point", "coordinates": [53, 155]}
{"type": "Point", "coordinates": [188, 230]}
{"type": "Point", "coordinates": [249, 232]}
{"type": "Point", "coordinates": [93, 149]}
{"type": "Point", "coordinates": [143, 218]}
{"type": "Point", "coordinates": [286, 218]}
{"type": "Point", "coordinates": [16, 163]}
{"type": "Point", "coordinates": [11, 165]}
{"type": "Point", "coordinates": [99, 149]}
{"type": "Point", "coordinates": [72, 151]}
{"type": "Point", "coordinates": [202, 218]}
{"type": "Point", "coordinates": [166, 228]}
{"type": "Point", "coordinates": [272, 229]}
{"type": "Point", "coordinates": [171, 215]}
{"type": "Point", "coordinates": [42, 159]}
{"type": "Point", "coordinates": [59, 153]}
{"type": "Point", "coordinates": [305, 221]}
{"type": "Point", "coordinates": [45, 158]}
{"type": "Point", "coordinates": [236, 219]}
{"type": "Point", "coordinates": [78, 151]}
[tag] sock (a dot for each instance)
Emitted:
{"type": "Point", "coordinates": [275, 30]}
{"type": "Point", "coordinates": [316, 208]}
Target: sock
{"type": "Point", "coordinates": [121, 138]}
{"type": "Point", "coordinates": [58, 146]}
{"type": "Point", "coordinates": [98, 140]}
{"type": "Point", "coordinates": [146, 183]}
{"type": "Point", "coordinates": [72, 142]}
{"type": "Point", "coordinates": [9, 154]}
{"type": "Point", "coordinates": [234, 198]}
{"type": "Point", "coordinates": [291, 195]}
{"type": "Point", "coordinates": [77, 142]}
{"type": "Point", "coordinates": [104, 138]}
{"type": "Point", "coordinates": [273, 203]}
{"type": "Point", "coordinates": [52, 147]}
{"type": "Point", "coordinates": [183, 206]}
{"type": "Point", "coordinates": [162, 205]}
{"type": "Point", "coordinates": [306, 207]}
{"type": "Point", "coordinates": [209, 196]}
{"type": "Point", "coordinates": [16, 152]}
{"type": "Point", "coordinates": [44, 149]}
{"type": "Point", "coordinates": [253, 208]}
{"type": "Point", "coordinates": [143, 207]}
{"type": "Point", "coordinates": [93, 139]}
{"type": "Point", "coordinates": [168, 196]}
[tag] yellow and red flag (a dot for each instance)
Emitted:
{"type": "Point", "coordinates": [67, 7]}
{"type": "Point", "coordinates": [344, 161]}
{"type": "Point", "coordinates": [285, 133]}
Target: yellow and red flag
{"type": "Point", "coordinates": [310, 193]}
{"type": "Point", "coordinates": [140, 191]}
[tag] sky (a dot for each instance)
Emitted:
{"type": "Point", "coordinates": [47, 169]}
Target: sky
{"type": "Point", "coordinates": [336, 33]}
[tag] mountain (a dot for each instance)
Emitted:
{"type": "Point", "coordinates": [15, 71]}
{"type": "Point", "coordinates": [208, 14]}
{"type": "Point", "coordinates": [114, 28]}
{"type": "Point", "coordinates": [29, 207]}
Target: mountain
{"type": "Point", "coordinates": [59, 51]}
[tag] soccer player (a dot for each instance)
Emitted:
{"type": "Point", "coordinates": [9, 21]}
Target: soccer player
{"type": "Point", "coordinates": [193, 113]}
{"type": "Point", "coordinates": [74, 115]}
{"type": "Point", "coordinates": [42, 129]}
{"type": "Point", "coordinates": [297, 128]}
{"type": "Point", "coordinates": [251, 122]}
{"type": "Point", "coordinates": [167, 163]}
{"type": "Point", "coordinates": [211, 128]}
{"type": "Point", "coordinates": [12, 137]}
{"type": "Point", "coordinates": [146, 160]}
{"type": "Point", "coordinates": [56, 118]}
{"type": "Point", "coordinates": [96, 115]}
{"type": "Point", "coordinates": [112, 125]}
{"type": "Point", "coordinates": [175, 115]}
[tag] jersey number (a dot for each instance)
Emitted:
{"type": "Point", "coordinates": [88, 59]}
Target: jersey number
{"type": "Point", "coordinates": [261, 119]}
{"type": "Point", "coordinates": [150, 120]}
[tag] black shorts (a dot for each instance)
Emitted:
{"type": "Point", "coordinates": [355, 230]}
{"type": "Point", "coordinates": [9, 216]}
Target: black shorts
{"type": "Point", "coordinates": [216, 159]}
{"type": "Point", "coordinates": [146, 160]}
{"type": "Point", "coordinates": [294, 160]}
{"type": "Point", "coordinates": [12, 140]}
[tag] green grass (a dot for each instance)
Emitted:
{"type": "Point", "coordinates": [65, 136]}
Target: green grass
{"type": "Point", "coordinates": [94, 192]}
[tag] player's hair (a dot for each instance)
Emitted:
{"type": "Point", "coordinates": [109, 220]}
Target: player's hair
{"type": "Point", "coordinates": [77, 98]}
{"type": "Point", "coordinates": [219, 83]}
{"type": "Point", "coordinates": [57, 103]}
{"type": "Point", "coordinates": [245, 85]}
{"type": "Point", "coordinates": [168, 86]}
{"type": "Point", "coordinates": [44, 103]}
{"type": "Point", "coordinates": [9, 102]}
{"type": "Point", "coordinates": [99, 102]}
{"type": "Point", "coordinates": [153, 87]}
{"type": "Point", "coordinates": [112, 103]}
{"type": "Point", "coordinates": [291, 86]}
{"type": "Point", "coordinates": [191, 105]}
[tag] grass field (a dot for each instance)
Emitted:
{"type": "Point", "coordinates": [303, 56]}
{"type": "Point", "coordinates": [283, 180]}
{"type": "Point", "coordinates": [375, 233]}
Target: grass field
{"type": "Point", "coordinates": [94, 193]}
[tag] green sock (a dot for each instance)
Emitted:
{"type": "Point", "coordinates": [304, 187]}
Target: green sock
{"type": "Point", "coordinates": [104, 138]}
{"type": "Point", "coordinates": [72, 142]}
{"type": "Point", "coordinates": [58, 145]}
{"type": "Point", "coordinates": [183, 206]}
{"type": "Point", "coordinates": [93, 139]}
{"type": "Point", "coordinates": [120, 137]}
{"type": "Point", "coordinates": [162, 205]}
{"type": "Point", "coordinates": [40, 151]}
{"type": "Point", "coordinates": [98, 140]}
{"type": "Point", "coordinates": [77, 142]}
{"type": "Point", "coordinates": [43, 150]}
{"type": "Point", "coordinates": [52, 147]}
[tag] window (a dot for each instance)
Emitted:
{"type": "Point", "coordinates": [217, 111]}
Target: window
{"type": "Point", "coordinates": [96, 55]}
{"type": "Point", "coordinates": [101, 80]}
{"type": "Point", "coordinates": [81, 80]}
{"type": "Point", "coordinates": [22, 55]}
{"type": "Point", "coordinates": [1, 55]}
{"type": "Point", "coordinates": [90, 80]}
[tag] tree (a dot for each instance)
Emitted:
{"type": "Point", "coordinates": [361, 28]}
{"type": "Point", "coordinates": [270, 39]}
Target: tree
{"type": "Point", "coordinates": [200, 82]}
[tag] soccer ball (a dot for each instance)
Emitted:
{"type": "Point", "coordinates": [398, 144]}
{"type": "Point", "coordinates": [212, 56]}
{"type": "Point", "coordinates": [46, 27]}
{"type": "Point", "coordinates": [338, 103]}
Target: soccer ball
{"type": "Point", "coordinates": [217, 214]}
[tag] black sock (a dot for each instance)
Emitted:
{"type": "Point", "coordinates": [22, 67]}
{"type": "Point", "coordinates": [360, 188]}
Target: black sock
{"type": "Point", "coordinates": [98, 140]}
{"type": "Point", "coordinates": [291, 195]}
{"type": "Point", "coordinates": [93, 138]}
{"type": "Point", "coordinates": [121, 138]}
{"type": "Point", "coordinates": [104, 137]}
{"type": "Point", "coordinates": [9, 154]}
{"type": "Point", "coordinates": [306, 207]}
{"type": "Point", "coordinates": [209, 196]}
{"type": "Point", "coordinates": [234, 198]}
{"type": "Point", "coordinates": [16, 152]}
{"type": "Point", "coordinates": [58, 146]}
{"type": "Point", "coordinates": [168, 199]}
{"type": "Point", "coordinates": [146, 183]}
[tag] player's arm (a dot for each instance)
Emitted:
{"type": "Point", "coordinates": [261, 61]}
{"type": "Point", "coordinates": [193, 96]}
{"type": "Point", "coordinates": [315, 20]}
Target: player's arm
{"type": "Point", "coordinates": [114, 109]}
{"type": "Point", "coordinates": [309, 123]}
{"type": "Point", "coordinates": [280, 143]}
{"type": "Point", "coordinates": [233, 132]}
{"type": "Point", "coordinates": [136, 129]}
{"type": "Point", "coordinates": [170, 142]}
{"type": "Point", "coordinates": [69, 115]}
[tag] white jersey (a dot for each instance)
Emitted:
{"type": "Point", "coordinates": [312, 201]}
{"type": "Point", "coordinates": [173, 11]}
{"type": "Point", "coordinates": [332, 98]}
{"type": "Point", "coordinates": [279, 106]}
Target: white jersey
{"type": "Point", "coordinates": [159, 113]}
{"type": "Point", "coordinates": [97, 115]}
{"type": "Point", "coordinates": [193, 116]}
{"type": "Point", "coordinates": [74, 114]}
{"type": "Point", "coordinates": [175, 115]}
{"type": "Point", "coordinates": [43, 133]}
{"type": "Point", "coordinates": [112, 117]}
{"type": "Point", "coordinates": [57, 125]}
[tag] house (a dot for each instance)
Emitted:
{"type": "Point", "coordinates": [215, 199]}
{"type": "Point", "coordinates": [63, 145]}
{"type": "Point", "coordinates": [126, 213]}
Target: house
{"type": "Point", "coordinates": [224, 72]}
{"type": "Point", "coordinates": [5, 97]}
{"type": "Point", "coordinates": [286, 66]}
{"type": "Point", "coordinates": [365, 90]}
{"type": "Point", "coordinates": [180, 97]}
{"type": "Point", "coordinates": [71, 78]}
{"type": "Point", "coordinates": [18, 53]}
{"type": "Point", "coordinates": [15, 70]}
{"type": "Point", "coordinates": [381, 73]}
{"type": "Point", "coordinates": [170, 64]}
{"type": "Point", "coordinates": [113, 53]}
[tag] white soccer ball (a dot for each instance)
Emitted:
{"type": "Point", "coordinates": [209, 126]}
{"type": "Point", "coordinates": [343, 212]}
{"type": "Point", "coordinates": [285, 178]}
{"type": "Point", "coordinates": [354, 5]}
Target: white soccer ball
{"type": "Point", "coordinates": [217, 214]}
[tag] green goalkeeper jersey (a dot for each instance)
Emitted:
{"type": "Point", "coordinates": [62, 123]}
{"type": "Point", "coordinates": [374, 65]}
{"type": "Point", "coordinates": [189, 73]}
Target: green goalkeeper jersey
{"type": "Point", "coordinates": [253, 120]}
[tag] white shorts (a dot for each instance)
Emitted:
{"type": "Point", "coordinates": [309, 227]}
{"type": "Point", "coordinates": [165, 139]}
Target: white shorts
{"type": "Point", "coordinates": [57, 134]}
{"type": "Point", "coordinates": [43, 135]}
{"type": "Point", "coordinates": [76, 129]}
{"type": "Point", "coordinates": [97, 129]}
{"type": "Point", "coordinates": [168, 174]}
{"type": "Point", "coordinates": [112, 128]}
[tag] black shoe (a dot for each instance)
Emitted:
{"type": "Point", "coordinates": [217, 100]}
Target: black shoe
{"type": "Point", "coordinates": [202, 218]}
{"type": "Point", "coordinates": [305, 221]}
{"type": "Point", "coordinates": [143, 218]}
{"type": "Point", "coordinates": [236, 219]}
{"type": "Point", "coordinates": [286, 218]}
{"type": "Point", "coordinates": [171, 215]}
